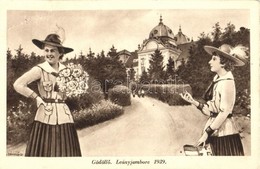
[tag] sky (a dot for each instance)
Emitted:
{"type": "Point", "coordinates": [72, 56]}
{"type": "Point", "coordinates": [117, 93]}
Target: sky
{"type": "Point", "coordinates": [100, 29]}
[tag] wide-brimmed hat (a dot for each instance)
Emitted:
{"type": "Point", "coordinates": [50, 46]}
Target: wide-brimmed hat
{"type": "Point", "coordinates": [225, 50]}
{"type": "Point", "coordinates": [53, 40]}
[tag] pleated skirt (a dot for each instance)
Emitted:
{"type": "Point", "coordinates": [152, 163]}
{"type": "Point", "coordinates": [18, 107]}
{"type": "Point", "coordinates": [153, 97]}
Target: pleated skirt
{"type": "Point", "coordinates": [53, 141]}
{"type": "Point", "coordinates": [229, 145]}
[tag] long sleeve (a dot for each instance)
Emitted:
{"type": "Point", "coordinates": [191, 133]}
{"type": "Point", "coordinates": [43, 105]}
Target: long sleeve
{"type": "Point", "coordinates": [20, 85]}
{"type": "Point", "coordinates": [227, 100]}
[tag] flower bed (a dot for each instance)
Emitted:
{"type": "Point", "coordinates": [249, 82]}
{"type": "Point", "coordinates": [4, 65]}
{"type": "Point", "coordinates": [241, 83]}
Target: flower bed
{"type": "Point", "coordinates": [100, 112]}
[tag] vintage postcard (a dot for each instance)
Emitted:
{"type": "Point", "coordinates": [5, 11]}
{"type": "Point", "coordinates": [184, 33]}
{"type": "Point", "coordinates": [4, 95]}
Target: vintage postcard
{"type": "Point", "coordinates": [121, 84]}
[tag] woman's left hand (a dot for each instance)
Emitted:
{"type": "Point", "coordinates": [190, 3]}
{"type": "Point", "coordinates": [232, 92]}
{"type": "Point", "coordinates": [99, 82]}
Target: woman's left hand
{"type": "Point", "coordinates": [203, 139]}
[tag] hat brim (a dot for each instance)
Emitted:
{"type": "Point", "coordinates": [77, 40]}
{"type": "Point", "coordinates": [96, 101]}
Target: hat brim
{"type": "Point", "coordinates": [40, 44]}
{"type": "Point", "coordinates": [210, 50]}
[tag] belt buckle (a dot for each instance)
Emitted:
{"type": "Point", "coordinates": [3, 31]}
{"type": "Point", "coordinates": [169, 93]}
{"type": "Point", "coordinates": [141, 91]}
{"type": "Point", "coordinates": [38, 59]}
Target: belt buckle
{"type": "Point", "coordinates": [56, 100]}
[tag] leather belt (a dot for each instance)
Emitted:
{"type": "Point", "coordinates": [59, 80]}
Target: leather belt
{"type": "Point", "coordinates": [213, 114]}
{"type": "Point", "coordinates": [53, 100]}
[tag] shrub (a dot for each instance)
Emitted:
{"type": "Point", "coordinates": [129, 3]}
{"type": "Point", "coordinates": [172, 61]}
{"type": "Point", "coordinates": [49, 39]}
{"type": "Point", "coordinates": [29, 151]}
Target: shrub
{"type": "Point", "coordinates": [120, 95]}
{"type": "Point", "coordinates": [168, 93]}
{"type": "Point", "coordinates": [20, 119]}
{"type": "Point", "coordinates": [19, 122]}
{"type": "Point", "coordinates": [242, 105]}
{"type": "Point", "coordinates": [99, 112]}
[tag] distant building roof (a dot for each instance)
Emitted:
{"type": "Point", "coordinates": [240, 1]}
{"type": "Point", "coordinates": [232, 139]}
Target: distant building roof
{"type": "Point", "coordinates": [130, 62]}
{"type": "Point", "coordinates": [132, 56]}
{"type": "Point", "coordinates": [161, 30]}
{"type": "Point", "coordinates": [181, 38]}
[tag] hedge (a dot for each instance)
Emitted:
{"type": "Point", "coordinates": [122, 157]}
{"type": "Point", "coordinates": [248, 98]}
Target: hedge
{"type": "Point", "coordinates": [168, 93]}
{"type": "Point", "coordinates": [120, 95]}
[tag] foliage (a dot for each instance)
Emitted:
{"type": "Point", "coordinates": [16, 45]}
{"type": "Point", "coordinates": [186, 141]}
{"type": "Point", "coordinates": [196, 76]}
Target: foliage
{"type": "Point", "coordinates": [107, 71]}
{"type": "Point", "coordinates": [168, 93]}
{"type": "Point", "coordinates": [120, 95]}
{"type": "Point", "coordinates": [216, 34]}
{"type": "Point", "coordinates": [16, 66]}
{"type": "Point", "coordinates": [196, 71]}
{"type": "Point", "coordinates": [144, 78]}
{"type": "Point", "coordinates": [131, 74]}
{"type": "Point", "coordinates": [99, 112]}
{"type": "Point", "coordinates": [113, 54]}
{"type": "Point", "coordinates": [169, 68]}
{"type": "Point", "coordinates": [19, 121]}
{"type": "Point", "coordinates": [155, 70]}
{"type": "Point", "coordinates": [243, 101]}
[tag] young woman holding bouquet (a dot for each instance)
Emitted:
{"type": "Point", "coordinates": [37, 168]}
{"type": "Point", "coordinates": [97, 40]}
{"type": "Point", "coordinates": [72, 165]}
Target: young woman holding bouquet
{"type": "Point", "coordinates": [220, 130]}
{"type": "Point", "coordinates": [53, 133]}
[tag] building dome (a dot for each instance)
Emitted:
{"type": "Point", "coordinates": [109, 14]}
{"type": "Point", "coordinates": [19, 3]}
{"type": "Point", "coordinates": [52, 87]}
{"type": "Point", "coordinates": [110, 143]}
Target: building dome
{"type": "Point", "coordinates": [181, 38]}
{"type": "Point", "coordinates": [161, 30]}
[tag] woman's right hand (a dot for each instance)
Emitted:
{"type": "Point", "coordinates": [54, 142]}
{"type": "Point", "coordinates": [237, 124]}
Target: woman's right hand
{"type": "Point", "coordinates": [40, 101]}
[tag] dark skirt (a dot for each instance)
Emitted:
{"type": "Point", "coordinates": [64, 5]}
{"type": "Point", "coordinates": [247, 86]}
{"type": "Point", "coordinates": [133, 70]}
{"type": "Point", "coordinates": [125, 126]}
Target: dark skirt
{"type": "Point", "coordinates": [229, 145]}
{"type": "Point", "coordinates": [53, 141]}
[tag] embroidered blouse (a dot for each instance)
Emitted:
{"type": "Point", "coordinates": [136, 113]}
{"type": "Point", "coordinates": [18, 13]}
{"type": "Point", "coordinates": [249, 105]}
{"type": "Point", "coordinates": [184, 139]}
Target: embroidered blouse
{"type": "Point", "coordinates": [53, 113]}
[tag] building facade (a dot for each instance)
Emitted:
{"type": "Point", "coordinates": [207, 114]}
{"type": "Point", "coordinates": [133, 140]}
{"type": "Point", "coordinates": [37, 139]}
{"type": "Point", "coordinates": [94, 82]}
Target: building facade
{"type": "Point", "coordinates": [160, 37]}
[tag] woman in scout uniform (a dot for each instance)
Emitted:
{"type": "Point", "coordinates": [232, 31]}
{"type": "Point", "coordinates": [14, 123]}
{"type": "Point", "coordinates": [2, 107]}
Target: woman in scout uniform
{"type": "Point", "coordinates": [53, 132]}
{"type": "Point", "coordinates": [220, 130]}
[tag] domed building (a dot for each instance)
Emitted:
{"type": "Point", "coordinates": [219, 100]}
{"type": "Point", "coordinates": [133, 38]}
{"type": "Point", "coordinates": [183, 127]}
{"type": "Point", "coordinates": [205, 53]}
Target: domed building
{"type": "Point", "coordinates": [161, 37]}
{"type": "Point", "coordinates": [180, 38]}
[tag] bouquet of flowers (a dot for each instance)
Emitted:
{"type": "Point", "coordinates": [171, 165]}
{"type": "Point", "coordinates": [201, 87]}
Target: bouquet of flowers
{"type": "Point", "coordinates": [72, 80]}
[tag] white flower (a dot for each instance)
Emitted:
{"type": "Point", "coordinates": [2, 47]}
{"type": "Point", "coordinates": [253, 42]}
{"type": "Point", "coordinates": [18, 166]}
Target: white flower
{"type": "Point", "coordinates": [72, 80]}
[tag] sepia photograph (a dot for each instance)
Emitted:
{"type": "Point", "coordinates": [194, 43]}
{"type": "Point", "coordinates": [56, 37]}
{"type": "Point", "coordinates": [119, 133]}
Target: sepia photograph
{"type": "Point", "coordinates": [136, 85]}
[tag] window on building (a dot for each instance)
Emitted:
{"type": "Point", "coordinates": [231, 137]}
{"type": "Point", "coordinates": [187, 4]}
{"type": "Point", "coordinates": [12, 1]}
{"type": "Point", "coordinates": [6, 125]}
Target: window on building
{"type": "Point", "coordinates": [142, 64]}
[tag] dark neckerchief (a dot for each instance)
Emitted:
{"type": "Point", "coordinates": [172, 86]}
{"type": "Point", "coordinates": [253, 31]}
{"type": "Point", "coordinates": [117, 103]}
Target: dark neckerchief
{"type": "Point", "coordinates": [208, 95]}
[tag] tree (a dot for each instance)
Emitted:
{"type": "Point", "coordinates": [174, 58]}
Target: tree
{"type": "Point", "coordinates": [91, 54]}
{"type": "Point", "coordinates": [112, 53]}
{"type": "Point", "coordinates": [144, 78]}
{"type": "Point", "coordinates": [195, 71]}
{"type": "Point", "coordinates": [156, 67]}
{"type": "Point", "coordinates": [106, 71]}
{"type": "Point", "coordinates": [242, 37]}
{"type": "Point", "coordinates": [102, 54]}
{"type": "Point", "coordinates": [169, 68]}
{"type": "Point", "coordinates": [81, 57]}
{"type": "Point", "coordinates": [216, 34]}
{"type": "Point", "coordinates": [16, 66]}
{"type": "Point", "coordinates": [9, 54]}
{"type": "Point", "coordinates": [10, 73]}
{"type": "Point", "coordinates": [131, 74]}
{"type": "Point", "coordinates": [228, 34]}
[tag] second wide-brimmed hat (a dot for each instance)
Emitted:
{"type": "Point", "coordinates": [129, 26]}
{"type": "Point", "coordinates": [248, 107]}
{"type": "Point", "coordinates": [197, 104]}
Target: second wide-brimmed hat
{"type": "Point", "coordinates": [53, 40]}
{"type": "Point", "coordinates": [225, 50]}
